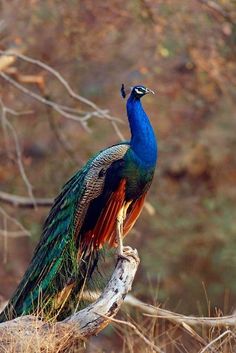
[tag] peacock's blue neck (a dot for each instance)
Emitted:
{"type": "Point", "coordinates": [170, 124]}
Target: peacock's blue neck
{"type": "Point", "coordinates": [143, 140]}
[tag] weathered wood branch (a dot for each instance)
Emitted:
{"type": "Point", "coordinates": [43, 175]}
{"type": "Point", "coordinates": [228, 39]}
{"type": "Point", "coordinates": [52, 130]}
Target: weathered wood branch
{"type": "Point", "coordinates": [156, 312]}
{"type": "Point", "coordinates": [30, 334]}
{"type": "Point", "coordinates": [22, 201]}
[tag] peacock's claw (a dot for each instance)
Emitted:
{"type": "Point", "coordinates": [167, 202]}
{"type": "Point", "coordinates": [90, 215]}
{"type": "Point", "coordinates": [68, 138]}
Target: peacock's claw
{"type": "Point", "coordinates": [123, 257]}
{"type": "Point", "coordinates": [127, 252]}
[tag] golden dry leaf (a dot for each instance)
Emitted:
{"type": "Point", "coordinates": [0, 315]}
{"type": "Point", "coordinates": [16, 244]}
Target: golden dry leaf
{"type": "Point", "coordinates": [37, 79]}
{"type": "Point", "coordinates": [7, 59]}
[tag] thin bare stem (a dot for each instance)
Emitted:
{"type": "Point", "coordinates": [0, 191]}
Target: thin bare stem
{"type": "Point", "coordinates": [11, 128]}
{"type": "Point", "coordinates": [59, 77]}
{"type": "Point", "coordinates": [5, 233]}
{"type": "Point", "coordinates": [13, 220]}
{"type": "Point", "coordinates": [14, 234]}
{"type": "Point", "coordinates": [40, 99]}
{"type": "Point", "coordinates": [26, 202]}
{"type": "Point", "coordinates": [151, 311]}
{"type": "Point", "coordinates": [138, 333]}
{"type": "Point", "coordinates": [227, 332]}
{"type": "Point", "coordinates": [65, 84]}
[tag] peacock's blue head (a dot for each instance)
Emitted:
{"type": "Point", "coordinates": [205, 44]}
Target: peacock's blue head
{"type": "Point", "coordinates": [140, 91]}
{"type": "Point", "coordinates": [136, 92]}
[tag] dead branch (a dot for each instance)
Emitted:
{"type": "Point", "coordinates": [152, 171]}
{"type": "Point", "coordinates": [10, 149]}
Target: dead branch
{"type": "Point", "coordinates": [36, 335]}
{"type": "Point", "coordinates": [14, 234]}
{"type": "Point", "coordinates": [152, 311]}
{"type": "Point", "coordinates": [184, 320]}
{"type": "Point", "coordinates": [79, 116]}
{"type": "Point", "coordinates": [5, 233]}
{"type": "Point", "coordinates": [14, 54]}
{"type": "Point", "coordinates": [22, 201]}
{"type": "Point", "coordinates": [57, 107]}
{"type": "Point", "coordinates": [7, 217]}
{"type": "Point", "coordinates": [8, 126]}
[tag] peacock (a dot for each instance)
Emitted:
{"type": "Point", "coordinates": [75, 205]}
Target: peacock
{"type": "Point", "coordinates": [97, 207]}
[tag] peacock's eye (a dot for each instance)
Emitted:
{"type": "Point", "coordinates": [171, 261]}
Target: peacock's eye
{"type": "Point", "coordinates": [140, 90]}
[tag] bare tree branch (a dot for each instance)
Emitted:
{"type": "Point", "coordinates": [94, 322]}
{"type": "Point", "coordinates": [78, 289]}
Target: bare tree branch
{"type": "Point", "coordinates": [57, 107]}
{"type": "Point", "coordinates": [63, 110]}
{"type": "Point", "coordinates": [8, 217]}
{"type": "Point", "coordinates": [156, 312]}
{"type": "Point", "coordinates": [149, 310]}
{"type": "Point", "coordinates": [11, 128]}
{"type": "Point", "coordinates": [14, 234]}
{"type": "Point", "coordinates": [26, 202]}
{"type": "Point", "coordinates": [5, 232]}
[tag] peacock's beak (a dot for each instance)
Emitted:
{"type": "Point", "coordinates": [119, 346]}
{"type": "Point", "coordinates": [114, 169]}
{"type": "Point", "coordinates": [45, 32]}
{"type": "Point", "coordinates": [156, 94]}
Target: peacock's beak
{"type": "Point", "coordinates": [149, 91]}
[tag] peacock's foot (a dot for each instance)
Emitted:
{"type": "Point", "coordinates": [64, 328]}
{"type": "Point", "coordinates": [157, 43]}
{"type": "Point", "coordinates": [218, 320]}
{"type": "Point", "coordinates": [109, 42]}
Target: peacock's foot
{"type": "Point", "coordinates": [126, 252]}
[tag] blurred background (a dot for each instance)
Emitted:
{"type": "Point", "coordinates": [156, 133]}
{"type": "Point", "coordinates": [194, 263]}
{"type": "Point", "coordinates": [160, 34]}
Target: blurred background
{"type": "Point", "coordinates": [184, 51]}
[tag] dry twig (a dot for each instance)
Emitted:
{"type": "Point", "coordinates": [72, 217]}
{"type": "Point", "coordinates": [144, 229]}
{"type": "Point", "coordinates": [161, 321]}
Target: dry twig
{"type": "Point", "coordinates": [80, 116]}
{"type": "Point", "coordinates": [154, 347]}
{"type": "Point", "coordinates": [14, 234]}
{"type": "Point", "coordinates": [22, 201]}
{"type": "Point", "coordinates": [5, 232]}
{"type": "Point", "coordinates": [7, 125]}
{"type": "Point", "coordinates": [225, 333]}
{"type": "Point", "coordinates": [149, 310]}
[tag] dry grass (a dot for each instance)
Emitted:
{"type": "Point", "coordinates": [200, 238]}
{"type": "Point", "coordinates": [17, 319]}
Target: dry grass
{"type": "Point", "coordinates": [34, 336]}
{"type": "Point", "coordinates": [161, 336]}
{"type": "Point", "coordinates": [166, 333]}
{"type": "Point", "coordinates": [135, 333]}
{"type": "Point", "coordinates": [141, 336]}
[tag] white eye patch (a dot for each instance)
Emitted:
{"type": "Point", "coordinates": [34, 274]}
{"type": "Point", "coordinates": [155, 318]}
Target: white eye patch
{"type": "Point", "coordinates": [139, 91]}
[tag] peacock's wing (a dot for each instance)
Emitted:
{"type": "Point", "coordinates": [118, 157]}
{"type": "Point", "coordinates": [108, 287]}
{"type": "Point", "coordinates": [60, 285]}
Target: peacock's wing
{"type": "Point", "coordinates": [64, 243]}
